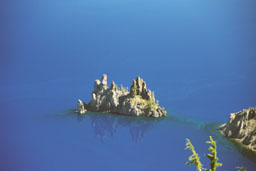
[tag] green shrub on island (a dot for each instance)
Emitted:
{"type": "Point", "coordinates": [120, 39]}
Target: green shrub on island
{"type": "Point", "coordinates": [151, 104]}
{"type": "Point", "coordinates": [134, 90]}
{"type": "Point", "coordinates": [194, 159]}
{"type": "Point", "coordinates": [122, 88]}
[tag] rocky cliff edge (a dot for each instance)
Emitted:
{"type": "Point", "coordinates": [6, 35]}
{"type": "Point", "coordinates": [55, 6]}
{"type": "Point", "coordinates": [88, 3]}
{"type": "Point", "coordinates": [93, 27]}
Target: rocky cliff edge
{"type": "Point", "coordinates": [242, 127]}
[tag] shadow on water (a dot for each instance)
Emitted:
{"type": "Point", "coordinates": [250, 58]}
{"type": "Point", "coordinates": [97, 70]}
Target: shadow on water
{"type": "Point", "coordinates": [243, 150]}
{"type": "Point", "coordinates": [227, 143]}
{"type": "Point", "coordinates": [211, 129]}
{"type": "Point", "coordinates": [223, 142]}
{"type": "Point", "coordinates": [106, 125]}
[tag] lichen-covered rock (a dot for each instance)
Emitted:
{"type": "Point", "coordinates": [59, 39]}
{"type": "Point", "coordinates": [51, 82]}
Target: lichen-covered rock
{"type": "Point", "coordinates": [242, 126]}
{"type": "Point", "coordinates": [139, 101]}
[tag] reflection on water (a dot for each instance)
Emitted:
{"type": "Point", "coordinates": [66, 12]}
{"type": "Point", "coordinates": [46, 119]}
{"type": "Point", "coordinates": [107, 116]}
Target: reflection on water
{"type": "Point", "coordinates": [243, 150]}
{"type": "Point", "coordinates": [228, 144]}
{"type": "Point", "coordinates": [106, 125]}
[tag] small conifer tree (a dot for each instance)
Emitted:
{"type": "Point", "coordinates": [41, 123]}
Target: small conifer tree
{"type": "Point", "coordinates": [134, 89]}
{"type": "Point", "coordinates": [152, 97]}
{"type": "Point", "coordinates": [194, 159]}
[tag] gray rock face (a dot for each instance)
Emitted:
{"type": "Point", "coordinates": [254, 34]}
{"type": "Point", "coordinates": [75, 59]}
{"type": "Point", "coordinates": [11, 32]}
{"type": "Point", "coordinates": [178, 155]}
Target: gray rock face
{"type": "Point", "coordinates": [104, 81]}
{"type": "Point", "coordinates": [137, 102]}
{"type": "Point", "coordinates": [80, 107]}
{"type": "Point", "coordinates": [242, 126]}
{"type": "Point", "coordinates": [141, 88]}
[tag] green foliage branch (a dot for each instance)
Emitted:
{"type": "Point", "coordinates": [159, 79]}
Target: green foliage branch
{"type": "Point", "coordinates": [194, 159]}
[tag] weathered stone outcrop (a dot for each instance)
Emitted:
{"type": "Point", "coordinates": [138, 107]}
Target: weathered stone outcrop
{"type": "Point", "coordinates": [242, 127]}
{"type": "Point", "coordinates": [139, 101]}
{"type": "Point", "coordinates": [81, 107]}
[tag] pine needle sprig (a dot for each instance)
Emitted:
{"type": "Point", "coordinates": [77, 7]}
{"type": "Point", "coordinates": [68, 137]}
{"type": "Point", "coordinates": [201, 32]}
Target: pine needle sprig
{"type": "Point", "coordinates": [194, 159]}
{"type": "Point", "coordinates": [212, 156]}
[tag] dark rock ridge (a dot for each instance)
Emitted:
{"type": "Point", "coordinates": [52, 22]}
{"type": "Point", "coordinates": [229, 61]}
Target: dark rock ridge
{"type": "Point", "coordinates": [139, 101]}
{"type": "Point", "coordinates": [242, 127]}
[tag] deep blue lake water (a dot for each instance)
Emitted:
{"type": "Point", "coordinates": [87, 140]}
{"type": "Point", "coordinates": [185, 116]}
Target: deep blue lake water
{"type": "Point", "coordinates": [198, 56]}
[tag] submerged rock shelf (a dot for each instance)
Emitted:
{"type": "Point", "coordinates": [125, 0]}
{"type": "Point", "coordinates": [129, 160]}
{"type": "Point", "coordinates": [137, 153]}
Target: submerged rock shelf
{"type": "Point", "coordinates": [242, 127]}
{"type": "Point", "coordinates": [139, 101]}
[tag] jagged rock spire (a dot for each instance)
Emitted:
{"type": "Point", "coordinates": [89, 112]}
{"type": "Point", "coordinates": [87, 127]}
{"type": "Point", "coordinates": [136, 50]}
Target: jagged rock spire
{"type": "Point", "coordinates": [100, 86]}
{"type": "Point", "coordinates": [96, 85]}
{"type": "Point", "coordinates": [113, 86]}
{"type": "Point", "coordinates": [141, 88]}
{"type": "Point", "coordinates": [81, 107]}
{"type": "Point", "coordinates": [104, 79]}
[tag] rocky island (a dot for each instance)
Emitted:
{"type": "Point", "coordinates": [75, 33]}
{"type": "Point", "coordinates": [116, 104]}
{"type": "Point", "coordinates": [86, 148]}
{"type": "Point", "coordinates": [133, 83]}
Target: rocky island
{"type": "Point", "coordinates": [242, 127]}
{"type": "Point", "coordinates": [139, 101]}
